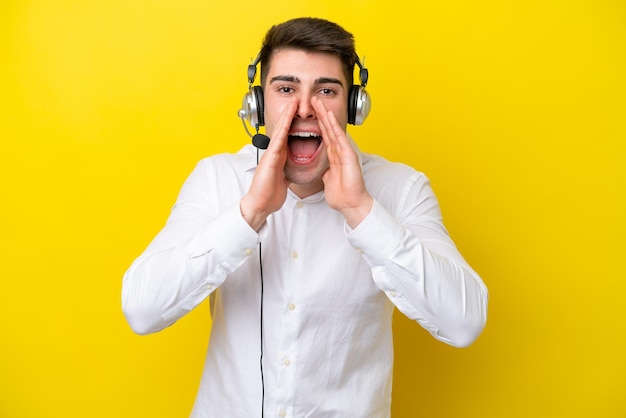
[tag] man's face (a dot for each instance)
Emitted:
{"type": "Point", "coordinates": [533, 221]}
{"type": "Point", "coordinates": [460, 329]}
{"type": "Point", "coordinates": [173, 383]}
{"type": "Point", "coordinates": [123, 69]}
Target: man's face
{"type": "Point", "coordinates": [303, 75]}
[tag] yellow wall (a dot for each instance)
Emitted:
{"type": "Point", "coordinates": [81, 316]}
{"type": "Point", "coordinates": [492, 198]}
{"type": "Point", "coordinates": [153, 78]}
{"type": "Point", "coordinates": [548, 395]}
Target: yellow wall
{"type": "Point", "coordinates": [514, 109]}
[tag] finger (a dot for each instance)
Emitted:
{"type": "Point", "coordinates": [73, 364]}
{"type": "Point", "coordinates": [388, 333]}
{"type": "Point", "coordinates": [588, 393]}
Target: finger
{"type": "Point", "coordinates": [324, 122]}
{"type": "Point", "coordinates": [332, 132]}
{"type": "Point", "coordinates": [281, 130]}
{"type": "Point", "coordinates": [338, 135]}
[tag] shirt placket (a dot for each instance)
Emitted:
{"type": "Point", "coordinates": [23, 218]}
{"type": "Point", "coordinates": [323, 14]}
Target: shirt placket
{"type": "Point", "coordinates": [286, 378]}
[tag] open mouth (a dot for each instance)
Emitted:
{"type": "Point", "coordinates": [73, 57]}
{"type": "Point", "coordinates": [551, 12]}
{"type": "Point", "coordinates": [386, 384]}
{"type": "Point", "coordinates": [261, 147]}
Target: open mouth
{"type": "Point", "coordinates": [304, 146]}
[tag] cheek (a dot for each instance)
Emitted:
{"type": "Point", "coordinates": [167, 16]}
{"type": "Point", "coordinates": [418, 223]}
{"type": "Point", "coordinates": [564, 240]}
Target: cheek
{"type": "Point", "coordinates": [339, 107]}
{"type": "Point", "coordinates": [340, 110]}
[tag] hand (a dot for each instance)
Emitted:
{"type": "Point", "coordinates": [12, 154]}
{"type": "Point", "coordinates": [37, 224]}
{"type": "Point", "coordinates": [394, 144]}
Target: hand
{"type": "Point", "coordinates": [268, 190]}
{"type": "Point", "coordinates": [344, 186]}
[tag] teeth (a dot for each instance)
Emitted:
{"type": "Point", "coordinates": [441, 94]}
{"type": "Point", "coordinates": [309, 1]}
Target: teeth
{"type": "Point", "coordinates": [305, 134]}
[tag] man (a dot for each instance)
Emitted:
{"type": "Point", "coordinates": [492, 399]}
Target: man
{"type": "Point", "coordinates": [305, 254]}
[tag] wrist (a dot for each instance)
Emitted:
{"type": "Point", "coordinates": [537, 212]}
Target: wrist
{"type": "Point", "coordinates": [354, 215]}
{"type": "Point", "coordinates": [251, 214]}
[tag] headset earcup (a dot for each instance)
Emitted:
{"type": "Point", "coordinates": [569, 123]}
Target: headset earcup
{"type": "Point", "coordinates": [352, 103]}
{"type": "Point", "coordinates": [358, 105]}
{"type": "Point", "coordinates": [257, 93]}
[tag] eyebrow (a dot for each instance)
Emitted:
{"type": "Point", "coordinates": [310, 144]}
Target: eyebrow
{"type": "Point", "coordinates": [328, 80]}
{"type": "Point", "coordinates": [294, 79]}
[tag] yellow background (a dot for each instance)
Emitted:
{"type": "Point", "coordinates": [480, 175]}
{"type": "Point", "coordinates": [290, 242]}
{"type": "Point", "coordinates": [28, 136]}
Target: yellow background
{"type": "Point", "coordinates": [514, 109]}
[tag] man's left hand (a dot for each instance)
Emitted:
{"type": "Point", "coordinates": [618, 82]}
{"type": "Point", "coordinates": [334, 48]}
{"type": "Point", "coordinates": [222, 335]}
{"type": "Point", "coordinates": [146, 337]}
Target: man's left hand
{"type": "Point", "coordinates": [344, 186]}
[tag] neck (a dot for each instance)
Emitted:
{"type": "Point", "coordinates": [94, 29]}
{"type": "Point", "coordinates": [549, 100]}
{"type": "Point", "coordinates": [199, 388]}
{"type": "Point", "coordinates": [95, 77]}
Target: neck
{"type": "Point", "coordinates": [306, 190]}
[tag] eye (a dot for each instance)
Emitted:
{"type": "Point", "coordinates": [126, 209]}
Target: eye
{"type": "Point", "coordinates": [326, 92]}
{"type": "Point", "coordinates": [285, 89]}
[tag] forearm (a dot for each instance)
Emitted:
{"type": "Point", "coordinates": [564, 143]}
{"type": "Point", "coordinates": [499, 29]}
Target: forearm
{"type": "Point", "coordinates": [436, 289]}
{"type": "Point", "coordinates": [174, 275]}
{"type": "Point", "coordinates": [423, 274]}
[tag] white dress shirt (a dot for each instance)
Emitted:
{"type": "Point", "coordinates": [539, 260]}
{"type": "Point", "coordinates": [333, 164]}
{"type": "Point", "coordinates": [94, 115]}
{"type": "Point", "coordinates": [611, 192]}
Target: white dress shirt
{"type": "Point", "coordinates": [328, 291]}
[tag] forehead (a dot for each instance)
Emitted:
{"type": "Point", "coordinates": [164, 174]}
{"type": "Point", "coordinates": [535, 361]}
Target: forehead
{"type": "Point", "coordinates": [302, 63]}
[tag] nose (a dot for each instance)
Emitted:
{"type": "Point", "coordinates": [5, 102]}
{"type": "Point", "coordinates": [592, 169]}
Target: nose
{"type": "Point", "coordinates": [305, 108]}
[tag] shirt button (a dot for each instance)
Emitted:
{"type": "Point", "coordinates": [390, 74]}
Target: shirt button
{"type": "Point", "coordinates": [287, 362]}
{"type": "Point", "coordinates": [359, 250]}
{"type": "Point", "coordinates": [291, 306]}
{"type": "Point", "coordinates": [392, 294]}
{"type": "Point", "coordinates": [299, 204]}
{"type": "Point", "coordinates": [282, 413]}
{"type": "Point", "coordinates": [208, 287]}
{"type": "Point", "coordinates": [294, 254]}
{"type": "Point", "coordinates": [247, 251]}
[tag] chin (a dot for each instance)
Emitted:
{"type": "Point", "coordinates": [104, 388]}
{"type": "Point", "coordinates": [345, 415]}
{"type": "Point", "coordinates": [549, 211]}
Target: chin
{"type": "Point", "coordinates": [307, 179]}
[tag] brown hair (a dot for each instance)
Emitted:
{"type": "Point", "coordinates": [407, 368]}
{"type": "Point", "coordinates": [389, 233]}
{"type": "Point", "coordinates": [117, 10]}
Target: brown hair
{"type": "Point", "coordinates": [311, 35]}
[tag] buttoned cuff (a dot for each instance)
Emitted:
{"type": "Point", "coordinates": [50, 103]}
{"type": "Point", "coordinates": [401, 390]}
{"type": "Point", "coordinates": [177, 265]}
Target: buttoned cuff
{"type": "Point", "coordinates": [232, 238]}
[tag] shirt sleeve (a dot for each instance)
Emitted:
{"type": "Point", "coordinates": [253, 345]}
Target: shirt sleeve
{"type": "Point", "coordinates": [415, 262]}
{"type": "Point", "coordinates": [189, 258]}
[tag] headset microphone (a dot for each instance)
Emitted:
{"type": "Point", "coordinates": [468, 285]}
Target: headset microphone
{"type": "Point", "coordinates": [261, 141]}
{"type": "Point", "coordinates": [258, 140]}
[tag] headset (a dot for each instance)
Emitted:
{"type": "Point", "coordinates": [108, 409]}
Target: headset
{"type": "Point", "coordinates": [359, 102]}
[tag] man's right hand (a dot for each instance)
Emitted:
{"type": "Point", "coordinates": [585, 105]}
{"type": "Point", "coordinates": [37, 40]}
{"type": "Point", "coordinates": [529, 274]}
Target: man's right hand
{"type": "Point", "coordinates": [268, 190]}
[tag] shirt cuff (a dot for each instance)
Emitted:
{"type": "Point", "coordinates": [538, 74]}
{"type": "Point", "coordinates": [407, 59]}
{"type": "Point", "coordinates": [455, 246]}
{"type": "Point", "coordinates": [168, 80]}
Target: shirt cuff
{"type": "Point", "coordinates": [377, 236]}
{"type": "Point", "coordinates": [232, 238]}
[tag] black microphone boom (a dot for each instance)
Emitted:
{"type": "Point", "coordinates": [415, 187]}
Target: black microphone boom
{"type": "Point", "coordinates": [261, 141]}
{"type": "Point", "coordinates": [258, 140]}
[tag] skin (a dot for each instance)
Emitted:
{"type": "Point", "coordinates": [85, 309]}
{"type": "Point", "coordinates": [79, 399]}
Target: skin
{"type": "Point", "coordinates": [306, 92]}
